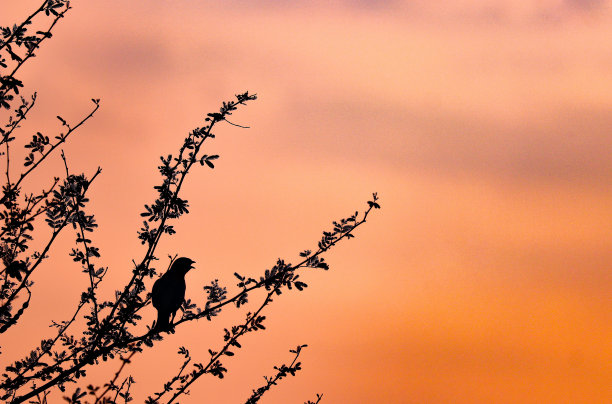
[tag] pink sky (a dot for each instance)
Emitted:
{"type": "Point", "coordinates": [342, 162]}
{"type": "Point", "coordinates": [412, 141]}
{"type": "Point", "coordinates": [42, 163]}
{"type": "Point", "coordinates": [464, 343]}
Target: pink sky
{"type": "Point", "coordinates": [484, 126]}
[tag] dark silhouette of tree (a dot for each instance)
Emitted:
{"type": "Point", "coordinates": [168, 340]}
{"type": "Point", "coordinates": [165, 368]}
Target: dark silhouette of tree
{"type": "Point", "coordinates": [63, 357]}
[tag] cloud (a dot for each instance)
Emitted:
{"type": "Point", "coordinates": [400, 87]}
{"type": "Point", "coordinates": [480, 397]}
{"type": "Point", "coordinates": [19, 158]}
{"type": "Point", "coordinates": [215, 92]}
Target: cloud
{"type": "Point", "coordinates": [586, 4]}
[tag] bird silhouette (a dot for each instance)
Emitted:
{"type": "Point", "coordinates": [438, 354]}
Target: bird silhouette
{"type": "Point", "coordinates": [168, 293]}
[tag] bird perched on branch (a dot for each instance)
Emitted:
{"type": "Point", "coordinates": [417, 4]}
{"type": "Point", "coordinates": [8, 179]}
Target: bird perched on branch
{"type": "Point", "coordinates": [169, 293]}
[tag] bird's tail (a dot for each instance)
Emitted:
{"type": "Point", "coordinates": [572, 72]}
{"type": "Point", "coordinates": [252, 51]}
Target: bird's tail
{"type": "Point", "coordinates": [163, 321]}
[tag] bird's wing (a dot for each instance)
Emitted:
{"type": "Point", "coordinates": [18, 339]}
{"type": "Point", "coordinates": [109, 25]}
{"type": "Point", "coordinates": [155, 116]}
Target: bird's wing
{"type": "Point", "coordinates": [156, 292]}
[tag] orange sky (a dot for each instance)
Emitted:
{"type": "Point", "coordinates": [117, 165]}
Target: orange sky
{"type": "Point", "coordinates": [484, 126]}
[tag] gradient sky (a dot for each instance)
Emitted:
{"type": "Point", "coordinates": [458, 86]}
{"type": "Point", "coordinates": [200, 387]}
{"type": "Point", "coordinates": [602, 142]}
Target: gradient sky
{"type": "Point", "coordinates": [485, 126]}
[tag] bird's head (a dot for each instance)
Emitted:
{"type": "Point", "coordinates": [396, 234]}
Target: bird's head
{"type": "Point", "coordinates": [182, 265]}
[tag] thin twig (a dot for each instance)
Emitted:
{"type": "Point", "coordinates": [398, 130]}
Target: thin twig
{"type": "Point", "coordinates": [124, 361]}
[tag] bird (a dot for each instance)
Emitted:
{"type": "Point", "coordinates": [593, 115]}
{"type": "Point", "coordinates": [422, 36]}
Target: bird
{"type": "Point", "coordinates": [168, 293]}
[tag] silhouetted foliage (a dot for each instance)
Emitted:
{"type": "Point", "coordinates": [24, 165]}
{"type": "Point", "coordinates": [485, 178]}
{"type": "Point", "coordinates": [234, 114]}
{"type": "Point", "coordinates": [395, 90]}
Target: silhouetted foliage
{"type": "Point", "coordinates": [281, 372]}
{"type": "Point", "coordinates": [109, 332]}
{"type": "Point", "coordinates": [319, 397]}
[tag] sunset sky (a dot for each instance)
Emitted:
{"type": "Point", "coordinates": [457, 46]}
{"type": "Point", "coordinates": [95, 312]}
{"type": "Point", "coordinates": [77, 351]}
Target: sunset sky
{"type": "Point", "coordinates": [485, 127]}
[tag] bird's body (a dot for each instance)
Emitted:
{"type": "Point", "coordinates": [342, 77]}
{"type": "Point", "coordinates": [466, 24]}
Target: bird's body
{"type": "Point", "coordinates": [168, 292]}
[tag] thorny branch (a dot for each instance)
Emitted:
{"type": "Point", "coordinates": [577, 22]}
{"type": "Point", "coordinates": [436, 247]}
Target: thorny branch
{"type": "Point", "coordinates": [281, 372]}
{"type": "Point", "coordinates": [319, 397]}
{"type": "Point", "coordinates": [111, 385]}
{"type": "Point", "coordinates": [8, 83]}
